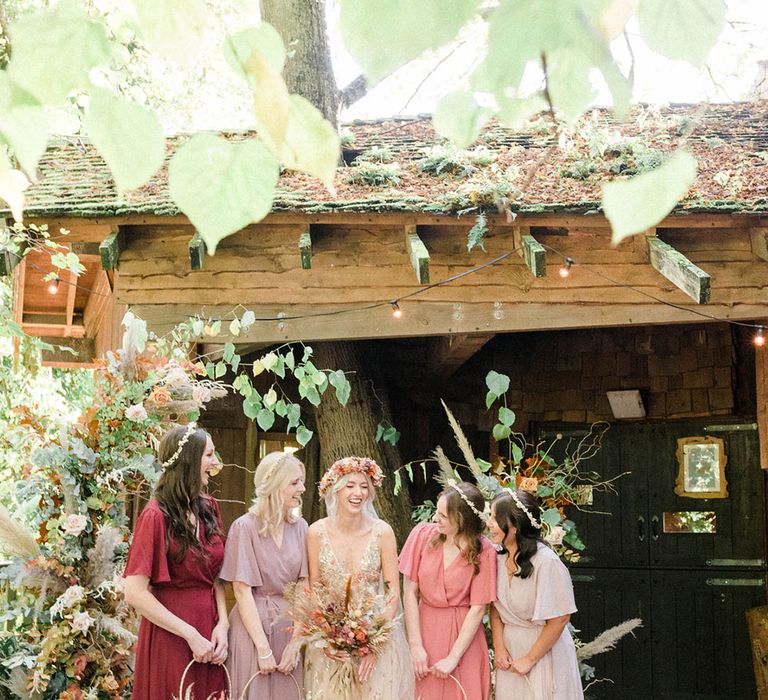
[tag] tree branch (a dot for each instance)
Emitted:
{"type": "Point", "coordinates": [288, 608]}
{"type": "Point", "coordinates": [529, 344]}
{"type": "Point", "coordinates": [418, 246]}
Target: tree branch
{"type": "Point", "coordinates": [354, 91]}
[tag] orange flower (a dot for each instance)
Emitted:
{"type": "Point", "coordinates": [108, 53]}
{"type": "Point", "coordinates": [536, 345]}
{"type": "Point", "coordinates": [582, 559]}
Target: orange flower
{"type": "Point", "coordinates": [79, 666]}
{"type": "Point", "coordinates": [71, 693]}
{"type": "Point", "coordinates": [528, 483]}
{"type": "Point", "coordinates": [160, 396]}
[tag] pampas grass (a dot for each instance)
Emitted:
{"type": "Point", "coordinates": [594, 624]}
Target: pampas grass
{"type": "Point", "coordinates": [15, 539]}
{"type": "Point", "coordinates": [445, 472]}
{"type": "Point", "coordinates": [101, 557]}
{"type": "Point", "coordinates": [115, 627]}
{"type": "Point", "coordinates": [462, 442]}
{"type": "Point", "coordinates": [607, 640]}
{"type": "Point", "coordinates": [18, 684]}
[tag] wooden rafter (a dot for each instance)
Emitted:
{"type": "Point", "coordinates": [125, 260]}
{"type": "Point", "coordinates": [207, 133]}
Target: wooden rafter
{"type": "Point", "coordinates": [528, 248]}
{"type": "Point", "coordinates": [71, 294]}
{"type": "Point", "coordinates": [418, 254]}
{"type": "Point", "coordinates": [305, 247]}
{"type": "Point", "coordinates": [759, 238]}
{"type": "Point", "coordinates": [55, 330]}
{"type": "Point", "coordinates": [97, 302]}
{"type": "Point", "coordinates": [679, 270]}
{"type": "Point", "coordinates": [449, 353]}
{"type": "Point", "coordinates": [111, 247]}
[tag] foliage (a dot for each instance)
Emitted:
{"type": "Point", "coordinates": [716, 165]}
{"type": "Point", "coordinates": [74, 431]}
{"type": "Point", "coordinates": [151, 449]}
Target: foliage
{"type": "Point", "coordinates": [378, 154]}
{"type": "Point", "coordinates": [374, 174]}
{"type": "Point", "coordinates": [485, 191]}
{"type": "Point", "coordinates": [445, 159]}
{"type": "Point", "coordinates": [610, 153]}
{"type": "Point", "coordinates": [476, 235]}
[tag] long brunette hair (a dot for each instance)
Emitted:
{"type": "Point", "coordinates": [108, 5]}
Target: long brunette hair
{"type": "Point", "coordinates": [179, 491]}
{"type": "Point", "coordinates": [508, 514]}
{"type": "Point", "coordinates": [469, 526]}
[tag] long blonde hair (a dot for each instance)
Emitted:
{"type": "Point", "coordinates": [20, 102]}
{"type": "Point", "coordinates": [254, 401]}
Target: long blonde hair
{"type": "Point", "coordinates": [273, 474]}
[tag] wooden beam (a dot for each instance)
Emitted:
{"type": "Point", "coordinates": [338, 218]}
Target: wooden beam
{"type": "Point", "coordinates": [197, 251]}
{"type": "Point", "coordinates": [72, 352]}
{"type": "Point", "coordinates": [305, 247]}
{"type": "Point", "coordinates": [418, 254]}
{"type": "Point", "coordinates": [448, 353]}
{"type": "Point", "coordinates": [673, 265]}
{"type": "Point", "coordinates": [71, 294]}
{"type": "Point", "coordinates": [98, 301]}
{"type": "Point", "coordinates": [111, 247]}
{"type": "Point", "coordinates": [530, 250]}
{"type": "Point", "coordinates": [761, 394]}
{"type": "Point", "coordinates": [55, 330]}
{"type": "Point", "coordinates": [759, 238]}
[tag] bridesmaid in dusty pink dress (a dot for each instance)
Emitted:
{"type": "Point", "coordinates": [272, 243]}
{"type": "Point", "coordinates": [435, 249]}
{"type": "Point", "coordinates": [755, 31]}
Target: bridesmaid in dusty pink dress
{"type": "Point", "coordinates": [450, 577]}
{"type": "Point", "coordinates": [266, 550]}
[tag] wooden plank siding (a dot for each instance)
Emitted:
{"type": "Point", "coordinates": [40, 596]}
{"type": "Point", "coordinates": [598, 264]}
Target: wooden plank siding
{"type": "Point", "coordinates": [356, 265]}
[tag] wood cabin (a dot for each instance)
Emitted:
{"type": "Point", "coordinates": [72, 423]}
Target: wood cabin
{"type": "Point", "coordinates": [657, 315]}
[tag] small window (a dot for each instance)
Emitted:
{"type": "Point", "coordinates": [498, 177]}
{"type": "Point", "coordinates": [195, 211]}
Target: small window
{"type": "Point", "coordinates": [701, 468]}
{"type": "Point", "coordinates": [696, 522]}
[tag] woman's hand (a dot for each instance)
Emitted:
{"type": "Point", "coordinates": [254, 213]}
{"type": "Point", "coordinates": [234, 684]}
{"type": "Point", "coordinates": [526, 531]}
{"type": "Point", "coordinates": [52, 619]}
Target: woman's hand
{"type": "Point", "coordinates": [202, 649]}
{"type": "Point", "coordinates": [523, 665]}
{"type": "Point", "coordinates": [266, 660]}
{"type": "Point", "coordinates": [444, 667]}
{"type": "Point", "coordinates": [502, 659]}
{"type": "Point", "coordinates": [419, 659]}
{"type": "Point", "coordinates": [367, 665]}
{"type": "Point", "coordinates": [290, 657]}
{"type": "Point", "coordinates": [220, 642]}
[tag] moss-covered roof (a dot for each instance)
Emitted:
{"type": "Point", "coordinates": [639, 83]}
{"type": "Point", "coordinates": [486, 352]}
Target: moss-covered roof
{"type": "Point", "coordinates": [729, 141]}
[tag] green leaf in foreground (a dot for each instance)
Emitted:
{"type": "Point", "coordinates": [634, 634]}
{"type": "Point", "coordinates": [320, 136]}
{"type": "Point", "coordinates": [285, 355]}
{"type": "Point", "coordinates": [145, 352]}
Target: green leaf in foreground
{"type": "Point", "coordinates": [172, 28]}
{"type": "Point", "coordinates": [303, 435]}
{"type": "Point", "coordinates": [684, 29]}
{"type": "Point", "coordinates": [222, 187]}
{"type": "Point", "coordinates": [128, 137]}
{"type": "Point", "coordinates": [497, 383]}
{"type": "Point", "coordinates": [633, 206]}
{"type": "Point", "coordinates": [262, 38]}
{"type": "Point", "coordinates": [54, 51]}
{"type": "Point", "coordinates": [459, 118]}
{"type": "Point", "coordinates": [385, 35]}
{"type": "Point", "coordinates": [24, 124]}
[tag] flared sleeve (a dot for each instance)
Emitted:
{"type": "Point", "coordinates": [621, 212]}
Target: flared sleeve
{"type": "Point", "coordinates": [410, 555]}
{"type": "Point", "coordinates": [240, 562]}
{"type": "Point", "coordinates": [483, 588]}
{"type": "Point", "coordinates": [554, 589]}
{"type": "Point", "coordinates": [148, 554]}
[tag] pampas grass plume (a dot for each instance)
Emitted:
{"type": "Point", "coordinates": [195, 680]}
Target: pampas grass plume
{"type": "Point", "coordinates": [461, 441]}
{"type": "Point", "coordinates": [101, 557]}
{"type": "Point", "coordinates": [15, 539]}
{"type": "Point", "coordinates": [607, 640]}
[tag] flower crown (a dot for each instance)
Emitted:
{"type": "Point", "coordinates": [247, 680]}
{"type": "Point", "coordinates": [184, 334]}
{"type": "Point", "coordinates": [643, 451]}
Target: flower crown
{"type": "Point", "coordinates": [522, 507]}
{"type": "Point", "coordinates": [191, 427]}
{"type": "Point", "coordinates": [272, 469]}
{"type": "Point", "coordinates": [452, 483]}
{"type": "Point", "coordinates": [348, 465]}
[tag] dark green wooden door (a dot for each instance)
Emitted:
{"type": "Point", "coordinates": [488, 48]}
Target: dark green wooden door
{"type": "Point", "coordinates": [691, 588]}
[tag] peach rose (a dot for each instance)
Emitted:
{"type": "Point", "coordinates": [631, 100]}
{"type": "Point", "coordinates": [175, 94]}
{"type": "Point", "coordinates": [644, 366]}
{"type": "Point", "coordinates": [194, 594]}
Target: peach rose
{"type": "Point", "coordinates": [160, 396]}
{"type": "Point", "coordinates": [529, 483]}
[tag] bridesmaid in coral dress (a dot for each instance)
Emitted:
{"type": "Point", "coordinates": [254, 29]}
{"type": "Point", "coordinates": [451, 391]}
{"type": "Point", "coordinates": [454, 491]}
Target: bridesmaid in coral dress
{"type": "Point", "coordinates": [171, 575]}
{"type": "Point", "coordinates": [450, 578]}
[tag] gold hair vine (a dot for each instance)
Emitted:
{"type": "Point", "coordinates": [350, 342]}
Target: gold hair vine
{"type": "Point", "coordinates": [190, 429]}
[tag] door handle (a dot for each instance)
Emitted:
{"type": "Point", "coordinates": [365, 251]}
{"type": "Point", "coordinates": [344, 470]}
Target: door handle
{"type": "Point", "coordinates": [655, 527]}
{"type": "Point", "coordinates": [641, 528]}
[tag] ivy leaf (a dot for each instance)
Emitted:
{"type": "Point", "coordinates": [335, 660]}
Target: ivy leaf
{"type": "Point", "coordinates": [311, 144]}
{"type": "Point", "coordinates": [242, 385]}
{"type": "Point", "coordinates": [551, 516]}
{"type": "Point", "coordinates": [633, 206]}
{"type": "Point", "coordinates": [128, 137]}
{"type": "Point", "coordinates": [490, 397]}
{"type": "Point", "coordinates": [221, 370]}
{"type": "Point", "coordinates": [235, 362]}
{"type": "Point", "coordinates": [476, 235]}
{"type": "Point", "coordinates": [501, 432]}
{"type": "Point", "coordinates": [339, 382]}
{"type": "Point", "coordinates": [252, 406]}
{"type": "Point", "coordinates": [271, 101]}
{"type": "Point", "coordinates": [391, 435]}
{"type": "Point", "coordinates": [379, 432]}
{"type": "Point", "coordinates": [173, 29]}
{"type": "Point", "coordinates": [382, 36]}
{"type": "Point", "coordinates": [234, 327]}
{"type": "Point", "coordinates": [263, 38]}
{"type": "Point", "coordinates": [514, 112]}
{"type": "Point", "coordinates": [398, 483]}
{"type": "Point", "coordinates": [303, 435]}
{"type": "Point", "coordinates": [484, 465]}
{"type": "Point", "coordinates": [506, 416]}
{"type": "Point", "coordinates": [248, 319]}
{"type": "Point", "coordinates": [684, 29]}
{"type": "Point", "coordinates": [24, 124]}
{"type": "Point", "coordinates": [517, 453]}
{"type": "Point", "coordinates": [54, 51]}
{"type": "Point", "coordinates": [294, 415]}
{"type": "Point", "coordinates": [222, 187]}
{"type": "Point", "coordinates": [265, 418]}
{"type": "Point", "coordinates": [497, 383]}
{"type": "Point", "coordinates": [459, 118]}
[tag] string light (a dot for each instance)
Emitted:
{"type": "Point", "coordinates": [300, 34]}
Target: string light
{"type": "Point", "coordinates": [53, 285]}
{"type": "Point", "coordinates": [565, 270]}
{"type": "Point", "coordinates": [397, 312]}
{"type": "Point", "coordinates": [759, 339]}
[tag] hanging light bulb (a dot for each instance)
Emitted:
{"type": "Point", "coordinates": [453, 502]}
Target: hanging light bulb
{"type": "Point", "coordinates": [759, 339]}
{"type": "Point", "coordinates": [565, 270]}
{"type": "Point", "coordinates": [397, 312]}
{"type": "Point", "coordinates": [53, 285]}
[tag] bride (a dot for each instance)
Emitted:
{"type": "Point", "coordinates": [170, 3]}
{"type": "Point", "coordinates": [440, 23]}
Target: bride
{"type": "Point", "coordinates": [353, 541]}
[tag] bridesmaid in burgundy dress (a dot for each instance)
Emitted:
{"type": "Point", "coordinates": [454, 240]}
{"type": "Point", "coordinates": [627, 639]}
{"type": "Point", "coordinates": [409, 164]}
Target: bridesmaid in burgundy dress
{"type": "Point", "coordinates": [171, 575]}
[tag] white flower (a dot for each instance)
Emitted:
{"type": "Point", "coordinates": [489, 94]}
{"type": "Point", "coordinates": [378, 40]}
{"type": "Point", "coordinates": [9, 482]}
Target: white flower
{"type": "Point", "coordinates": [555, 536]}
{"type": "Point", "coordinates": [75, 524]}
{"type": "Point", "coordinates": [137, 412]}
{"type": "Point", "coordinates": [71, 597]}
{"type": "Point", "coordinates": [201, 394]}
{"type": "Point", "coordinates": [175, 376]}
{"type": "Point", "coordinates": [81, 622]}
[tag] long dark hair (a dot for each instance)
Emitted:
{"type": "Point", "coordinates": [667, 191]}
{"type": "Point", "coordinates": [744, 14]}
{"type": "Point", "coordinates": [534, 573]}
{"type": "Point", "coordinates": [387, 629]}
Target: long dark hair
{"type": "Point", "coordinates": [179, 491]}
{"type": "Point", "coordinates": [468, 525]}
{"type": "Point", "coordinates": [508, 514]}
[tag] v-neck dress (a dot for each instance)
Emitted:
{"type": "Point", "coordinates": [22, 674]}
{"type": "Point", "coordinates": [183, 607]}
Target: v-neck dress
{"type": "Point", "coordinates": [445, 596]}
{"type": "Point", "coordinates": [524, 605]}
{"type": "Point", "coordinates": [257, 561]}
{"type": "Point", "coordinates": [186, 588]}
{"type": "Point", "coordinates": [392, 677]}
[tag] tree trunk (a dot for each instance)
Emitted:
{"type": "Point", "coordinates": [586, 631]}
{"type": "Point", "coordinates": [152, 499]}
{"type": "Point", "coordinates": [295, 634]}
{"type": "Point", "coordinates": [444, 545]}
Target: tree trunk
{"type": "Point", "coordinates": [308, 69]}
{"type": "Point", "coordinates": [351, 429]}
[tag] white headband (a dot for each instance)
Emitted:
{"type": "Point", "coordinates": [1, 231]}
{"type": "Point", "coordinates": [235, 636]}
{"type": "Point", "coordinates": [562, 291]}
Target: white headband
{"type": "Point", "coordinates": [452, 483]}
{"type": "Point", "coordinates": [522, 507]}
{"type": "Point", "coordinates": [190, 429]}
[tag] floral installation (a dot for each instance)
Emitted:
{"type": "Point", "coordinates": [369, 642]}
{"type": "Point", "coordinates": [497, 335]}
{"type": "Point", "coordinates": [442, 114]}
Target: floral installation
{"type": "Point", "coordinates": [347, 624]}
{"type": "Point", "coordinates": [68, 633]}
{"type": "Point", "coordinates": [348, 465]}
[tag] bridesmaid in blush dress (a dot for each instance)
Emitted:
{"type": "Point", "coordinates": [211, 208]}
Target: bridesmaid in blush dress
{"type": "Point", "coordinates": [450, 577]}
{"type": "Point", "coordinates": [534, 652]}
{"type": "Point", "coordinates": [171, 575]}
{"type": "Point", "coordinates": [266, 550]}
